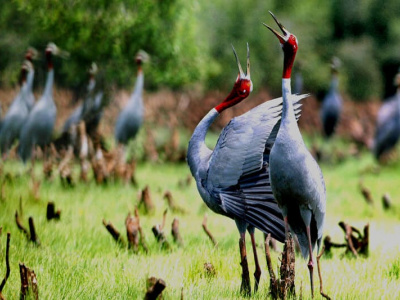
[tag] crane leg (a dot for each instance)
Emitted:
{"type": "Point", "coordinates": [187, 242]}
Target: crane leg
{"type": "Point", "coordinates": [245, 287]}
{"type": "Point", "coordinates": [257, 272]}
{"type": "Point", "coordinates": [310, 264]}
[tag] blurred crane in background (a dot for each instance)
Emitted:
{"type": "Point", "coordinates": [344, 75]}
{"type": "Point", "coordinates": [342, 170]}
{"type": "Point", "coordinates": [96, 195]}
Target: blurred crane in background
{"type": "Point", "coordinates": [233, 180]}
{"type": "Point", "coordinates": [30, 55]}
{"type": "Point", "coordinates": [38, 128]}
{"type": "Point", "coordinates": [18, 111]}
{"type": "Point", "coordinates": [91, 109]}
{"type": "Point", "coordinates": [332, 103]}
{"type": "Point", "coordinates": [387, 131]}
{"type": "Point", "coordinates": [296, 179]}
{"type": "Point", "coordinates": [130, 118]}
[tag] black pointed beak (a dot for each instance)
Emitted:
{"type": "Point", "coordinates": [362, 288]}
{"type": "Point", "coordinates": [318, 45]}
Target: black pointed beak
{"type": "Point", "coordinates": [285, 34]}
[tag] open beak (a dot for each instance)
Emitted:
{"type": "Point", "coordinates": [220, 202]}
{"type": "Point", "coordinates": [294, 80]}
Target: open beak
{"type": "Point", "coordinates": [285, 34]}
{"type": "Point", "coordinates": [243, 75]}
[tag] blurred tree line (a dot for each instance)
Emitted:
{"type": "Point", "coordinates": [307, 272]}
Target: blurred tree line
{"type": "Point", "coordinates": [189, 41]}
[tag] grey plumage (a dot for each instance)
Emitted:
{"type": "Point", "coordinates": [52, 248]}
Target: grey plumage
{"type": "Point", "coordinates": [233, 180]}
{"type": "Point", "coordinates": [38, 128]}
{"type": "Point", "coordinates": [18, 111]}
{"type": "Point", "coordinates": [91, 109]}
{"type": "Point", "coordinates": [332, 103]}
{"type": "Point", "coordinates": [387, 131]}
{"type": "Point", "coordinates": [130, 119]}
{"type": "Point", "coordinates": [296, 178]}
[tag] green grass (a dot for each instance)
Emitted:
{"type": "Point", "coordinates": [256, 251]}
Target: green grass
{"type": "Point", "coordinates": [78, 259]}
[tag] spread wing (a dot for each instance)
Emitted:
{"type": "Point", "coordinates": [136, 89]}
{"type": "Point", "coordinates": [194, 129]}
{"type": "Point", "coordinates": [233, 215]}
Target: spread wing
{"type": "Point", "coordinates": [241, 146]}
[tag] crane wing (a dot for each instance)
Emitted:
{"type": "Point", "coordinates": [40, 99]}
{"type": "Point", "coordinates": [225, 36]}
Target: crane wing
{"type": "Point", "coordinates": [252, 201]}
{"type": "Point", "coordinates": [388, 109]}
{"type": "Point", "coordinates": [243, 142]}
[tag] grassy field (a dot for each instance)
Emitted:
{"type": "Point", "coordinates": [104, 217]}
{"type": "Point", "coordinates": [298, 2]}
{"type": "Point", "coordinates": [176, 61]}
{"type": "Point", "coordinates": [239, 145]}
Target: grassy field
{"type": "Point", "coordinates": [78, 258]}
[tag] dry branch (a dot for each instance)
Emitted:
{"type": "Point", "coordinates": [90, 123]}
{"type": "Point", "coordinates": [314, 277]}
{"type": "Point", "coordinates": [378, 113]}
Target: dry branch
{"type": "Point", "coordinates": [51, 212]}
{"type": "Point", "coordinates": [209, 234]}
{"type": "Point", "coordinates": [20, 226]}
{"type": "Point", "coordinates": [171, 203]}
{"type": "Point", "coordinates": [114, 232]}
{"type": "Point", "coordinates": [154, 288]}
{"type": "Point", "coordinates": [3, 283]}
{"type": "Point", "coordinates": [159, 232]}
{"type": "Point", "coordinates": [33, 235]}
{"type": "Point", "coordinates": [29, 288]}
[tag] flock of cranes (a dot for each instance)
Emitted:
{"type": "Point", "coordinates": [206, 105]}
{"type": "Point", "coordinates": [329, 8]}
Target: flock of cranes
{"type": "Point", "coordinates": [32, 123]}
{"type": "Point", "coordinates": [260, 173]}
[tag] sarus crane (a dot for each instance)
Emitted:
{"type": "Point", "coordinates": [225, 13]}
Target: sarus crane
{"type": "Point", "coordinates": [387, 131]}
{"type": "Point", "coordinates": [233, 179]}
{"type": "Point", "coordinates": [18, 112]}
{"type": "Point", "coordinates": [90, 110]}
{"type": "Point", "coordinates": [130, 118]}
{"type": "Point", "coordinates": [332, 103]}
{"type": "Point", "coordinates": [30, 55]}
{"type": "Point", "coordinates": [296, 179]}
{"type": "Point", "coordinates": [38, 128]}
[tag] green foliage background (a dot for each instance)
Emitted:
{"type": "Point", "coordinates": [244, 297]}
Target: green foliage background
{"type": "Point", "coordinates": [189, 41]}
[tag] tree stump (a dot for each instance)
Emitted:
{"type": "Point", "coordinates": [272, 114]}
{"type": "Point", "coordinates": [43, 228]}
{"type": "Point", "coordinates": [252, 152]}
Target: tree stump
{"type": "Point", "coordinates": [154, 288]}
{"type": "Point", "coordinates": [285, 286]}
{"type": "Point", "coordinates": [29, 287]}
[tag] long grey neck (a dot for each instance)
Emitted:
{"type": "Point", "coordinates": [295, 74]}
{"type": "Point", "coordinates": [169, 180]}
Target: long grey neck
{"type": "Point", "coordinates": [138, 89]}
{"type": "Point", "coordinates": [48, 90]}
{"type": "Point", "coordinates": [198, 151]}
{"type": "Point", "coordinates": [288, 116]}
{"type": "Point", "coordinates": [29, 80]}
{"type": "Point", "coordinates": [91, 85]}
{"type": "Point", "coordinates": [334, 82]}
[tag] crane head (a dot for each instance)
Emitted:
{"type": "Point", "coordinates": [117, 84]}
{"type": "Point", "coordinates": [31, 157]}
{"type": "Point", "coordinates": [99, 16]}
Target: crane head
{"type": "Point", "coordinates": [289, 45]}
{"type": "Point", "coordinates": [242, 87]}
{"type": "Point", "coordinates": [31, 54]}
{"type": "Point", "coordinates": [52, 49]}
{"type": "Point", "coordinates": [93, 69]}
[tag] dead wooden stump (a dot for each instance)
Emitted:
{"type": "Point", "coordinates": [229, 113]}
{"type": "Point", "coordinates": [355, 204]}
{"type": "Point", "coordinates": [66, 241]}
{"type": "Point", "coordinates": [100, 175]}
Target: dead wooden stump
{"type": "Point", "coordinates": [134, 232]}
{"type": "Point", "coordinates": [114, 233]}
{"type": "Point", "coordinates": [51, 212]}
{"type": "Point", "coordinates": [366, 194]}
{"type": "Point", "coordinates": [386, 202]}
{"type": "Point", "coordinates": [8, 270]}
{"type": "Point", "coordinates": [64, 168]}
{"type": "Point", "coordinates": [154, 288]}
{"type": "Point", "coordinates": [145, 200]}
{"type": "Point", "coordinates": [209, 270]}
{"type": "Point", "coordinates": [29, 287]}
{"type": "Point", "coordinates": [285, 286]}
{"type": "Point", "coordinates": [207, 231]}
{"type": "Point", "coordinates": [175, 232]}
{"type": "Point", "coordinates": [171, 203]}
{"type": "Point", "coordinates": [158, 231]}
